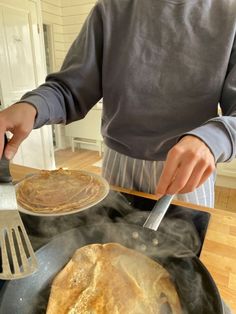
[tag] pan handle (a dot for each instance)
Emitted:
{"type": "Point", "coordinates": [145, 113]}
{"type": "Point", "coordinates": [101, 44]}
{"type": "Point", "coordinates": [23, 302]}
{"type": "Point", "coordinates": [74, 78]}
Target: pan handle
{"type": "Point", "coordinates": [158, 212]}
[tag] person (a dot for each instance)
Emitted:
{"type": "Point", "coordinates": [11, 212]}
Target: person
{"type": "Point", "coordinates": [161, 67]}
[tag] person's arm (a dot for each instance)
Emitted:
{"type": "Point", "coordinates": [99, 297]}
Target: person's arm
{"type": "Point", "coordinates": [67, 95]}
{"type": "Point", "coordinates": [219, 133]}
{"type": "Point", "coordinates": [70, 93]}
{"type": "Point", "coordinates": [192, 160]}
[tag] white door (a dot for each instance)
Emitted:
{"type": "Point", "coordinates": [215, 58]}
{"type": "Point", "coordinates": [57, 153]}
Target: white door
{"type": "Point", "coordinates": [22, 68]}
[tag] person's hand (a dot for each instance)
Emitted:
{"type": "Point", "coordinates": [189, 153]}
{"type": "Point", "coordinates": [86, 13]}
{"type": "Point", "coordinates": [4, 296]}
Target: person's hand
{"type": "Point", "coordinates": [189, 163]}
{"type": "Point", "coordinates": [19, 120]}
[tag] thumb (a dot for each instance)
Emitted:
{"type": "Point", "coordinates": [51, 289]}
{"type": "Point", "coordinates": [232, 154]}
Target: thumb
{"type": "Point", "coordinates": [13, 145]}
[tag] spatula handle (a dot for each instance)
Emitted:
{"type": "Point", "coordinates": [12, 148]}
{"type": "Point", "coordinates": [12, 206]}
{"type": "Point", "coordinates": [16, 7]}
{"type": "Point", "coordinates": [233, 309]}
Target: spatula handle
{"type": "Point", "coordinates": [5, 175]}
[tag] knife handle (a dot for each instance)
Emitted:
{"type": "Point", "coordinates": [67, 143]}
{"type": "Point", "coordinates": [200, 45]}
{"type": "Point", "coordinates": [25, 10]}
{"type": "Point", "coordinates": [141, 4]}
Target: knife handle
{"type": "Point", "coordinates": [5, 175]}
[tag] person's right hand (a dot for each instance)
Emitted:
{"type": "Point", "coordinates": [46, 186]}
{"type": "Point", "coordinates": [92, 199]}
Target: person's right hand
{"type": "Point", "coordinates": [19, 120]}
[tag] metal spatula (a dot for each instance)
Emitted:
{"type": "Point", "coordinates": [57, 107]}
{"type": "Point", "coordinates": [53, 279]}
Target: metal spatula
{"type": "Point", "coordinates": [17, 255]}
{"type": "Point", "coordinates": [158, 212]}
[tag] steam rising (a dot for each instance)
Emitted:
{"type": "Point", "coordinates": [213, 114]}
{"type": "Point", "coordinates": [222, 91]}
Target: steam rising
{"type": "Point", "coordinates": [174, 245]}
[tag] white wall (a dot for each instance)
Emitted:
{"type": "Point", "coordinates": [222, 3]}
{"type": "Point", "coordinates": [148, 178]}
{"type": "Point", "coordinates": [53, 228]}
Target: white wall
{"type": "Point", "coordinates": [74, 13]}
{"type": "Point", "coordinates": [52, 15]}
{"type": "Point", "coordinates": [66, 18]}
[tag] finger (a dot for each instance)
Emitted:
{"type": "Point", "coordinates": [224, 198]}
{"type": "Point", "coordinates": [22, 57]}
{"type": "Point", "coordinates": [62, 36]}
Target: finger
{"type": "Point", "coordinates": [205, 176]}
{"type": "Point", "coordinates": [1, 144]}
{"type": "Point", "coordinates": [2, 139]}
{"type": "Point", "coordinates": [194, 180]}
{"type": "Point", "coordinates": [168, 173]}
{"type": "Point", "coordinates": [182, 176]}
{"type": "Point", "coordinates": [199, 175]}
{"type": "Point", "coordinates": [13, 145]}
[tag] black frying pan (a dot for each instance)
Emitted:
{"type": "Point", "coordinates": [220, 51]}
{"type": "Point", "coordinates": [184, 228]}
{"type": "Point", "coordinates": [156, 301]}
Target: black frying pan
{"type": "Point", "coordinates": [30, 295]}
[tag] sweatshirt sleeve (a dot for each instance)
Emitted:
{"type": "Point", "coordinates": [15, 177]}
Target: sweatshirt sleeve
{"type": "Point", "coordinates": [220, 133]}
{"type": "Point", "coordinates": [69, 94]}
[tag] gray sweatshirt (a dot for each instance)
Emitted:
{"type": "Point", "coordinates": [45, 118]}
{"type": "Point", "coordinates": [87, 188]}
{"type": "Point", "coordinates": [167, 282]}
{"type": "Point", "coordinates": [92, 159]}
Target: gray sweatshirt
{"type": "Point", "coordinates": [161, 66]}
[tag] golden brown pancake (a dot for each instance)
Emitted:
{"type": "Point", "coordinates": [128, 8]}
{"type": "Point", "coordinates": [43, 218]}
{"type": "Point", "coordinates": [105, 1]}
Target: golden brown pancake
{"type": "Point", "coordinates": [60, 191]}
{"type": "Point", "coordinates": [112, 279]}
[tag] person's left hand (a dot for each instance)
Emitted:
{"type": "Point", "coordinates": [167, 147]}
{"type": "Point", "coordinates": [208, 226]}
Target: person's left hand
{"type": "Point", "coordinates": [189, 163]}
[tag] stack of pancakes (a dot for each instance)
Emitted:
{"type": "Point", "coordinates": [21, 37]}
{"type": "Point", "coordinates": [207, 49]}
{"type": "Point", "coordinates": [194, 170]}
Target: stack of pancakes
{"type": "Point", "coordinates": [59, 191]}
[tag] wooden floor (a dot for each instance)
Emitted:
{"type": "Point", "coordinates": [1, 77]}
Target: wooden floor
{"type": "Point", "coordinates": [81, 159]}
{"type": "Point", "coordinates": [85, 159]}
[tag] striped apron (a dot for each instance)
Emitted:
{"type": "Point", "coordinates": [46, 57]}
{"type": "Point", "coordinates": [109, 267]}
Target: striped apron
{"type": "Point", "coordinates": [143, 175]}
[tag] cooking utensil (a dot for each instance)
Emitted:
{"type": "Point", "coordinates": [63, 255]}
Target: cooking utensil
{"type": "Point", "coordinates": [158, 212]}
{"type": "Point", "coordinates": [30, 295]}
{"type": "Point", "coordinates": [18, 258]}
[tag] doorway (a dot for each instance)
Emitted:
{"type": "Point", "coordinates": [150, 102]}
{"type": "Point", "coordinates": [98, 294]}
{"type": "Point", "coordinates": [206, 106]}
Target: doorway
{"type": "Point", "coordinates": [50, 66]}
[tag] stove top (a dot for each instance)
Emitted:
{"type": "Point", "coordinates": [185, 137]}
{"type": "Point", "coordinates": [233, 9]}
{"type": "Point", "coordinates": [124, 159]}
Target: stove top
{"type": "Point", "coordinates": [185, 218]}
{"type": "Point", "coordinates": [184, 224]}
